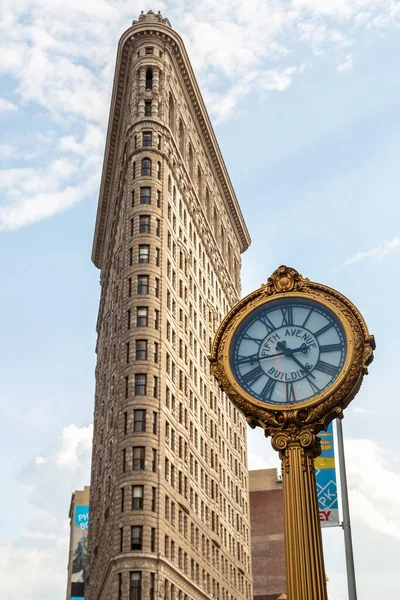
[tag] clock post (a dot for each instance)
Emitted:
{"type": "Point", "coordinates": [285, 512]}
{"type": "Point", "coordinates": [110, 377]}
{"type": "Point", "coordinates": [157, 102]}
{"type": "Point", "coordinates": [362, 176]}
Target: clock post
{"type": "Point", "coordinates": [291, 356]}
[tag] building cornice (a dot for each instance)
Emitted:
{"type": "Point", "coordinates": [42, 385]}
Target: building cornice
{"type": "Point", "coordinates": [156, 26]}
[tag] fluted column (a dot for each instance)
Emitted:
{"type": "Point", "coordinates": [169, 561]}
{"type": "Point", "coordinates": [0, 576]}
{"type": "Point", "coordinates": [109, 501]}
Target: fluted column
{"type": "Point", "coordinates": [305, 571]}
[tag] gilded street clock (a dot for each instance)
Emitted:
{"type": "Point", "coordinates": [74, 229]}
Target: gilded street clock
{"type": "Point", "coordinates": [292, 344]}
{"type": "Point", "coordinates": [291, 356]}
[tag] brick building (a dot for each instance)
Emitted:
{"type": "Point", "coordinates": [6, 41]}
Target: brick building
{"type": "Point", "coordinates": [267, 535]}
{"type": "Point", "coordinates": [169, 483]}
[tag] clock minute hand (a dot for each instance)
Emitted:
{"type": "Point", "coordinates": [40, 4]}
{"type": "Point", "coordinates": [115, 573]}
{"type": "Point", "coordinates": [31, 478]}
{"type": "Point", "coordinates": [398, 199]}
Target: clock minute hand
{"type": "Point", "coordinates": [302, 366]}
{"type": "Point", "coordinates": [289, 353]}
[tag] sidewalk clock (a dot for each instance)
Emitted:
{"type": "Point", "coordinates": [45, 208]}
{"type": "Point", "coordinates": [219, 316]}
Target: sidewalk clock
{"type": "Point", "coordinates": [291, 356]}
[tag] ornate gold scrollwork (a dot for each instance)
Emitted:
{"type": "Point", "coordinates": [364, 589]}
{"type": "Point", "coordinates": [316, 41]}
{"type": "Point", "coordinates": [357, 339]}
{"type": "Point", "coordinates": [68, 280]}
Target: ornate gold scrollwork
{"type": "Point", "coordinates": [317, 413]}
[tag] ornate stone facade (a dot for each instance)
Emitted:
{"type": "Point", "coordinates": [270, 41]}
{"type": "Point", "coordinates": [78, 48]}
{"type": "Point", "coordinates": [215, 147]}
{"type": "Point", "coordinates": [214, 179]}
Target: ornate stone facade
{"type": "Point", "coordinates": [169, 485]}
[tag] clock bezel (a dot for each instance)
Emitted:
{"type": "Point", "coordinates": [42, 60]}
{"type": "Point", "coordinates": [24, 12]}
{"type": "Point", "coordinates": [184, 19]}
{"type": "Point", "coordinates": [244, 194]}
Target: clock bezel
{"type": "Point", "coordinates": [235, 323]}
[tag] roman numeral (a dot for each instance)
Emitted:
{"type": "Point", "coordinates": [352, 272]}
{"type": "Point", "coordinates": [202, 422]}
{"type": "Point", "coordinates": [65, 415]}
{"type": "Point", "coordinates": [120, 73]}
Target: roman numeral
{"type": "Point", "coordinates": [252, 339]}
{"type": "Point", "coordinates": [267, 390]}
{"type": "Point", "coordinates": [268, 324]}
{"type": "Point", "coordinates": [290, 393]}
{"type": "Point", "coordinates": [253, 375]}
{"type": "Point", "coordinates": [326, 368]}
{"type": "Point", "coordinates": [323, 329]}
{"type": "Point", "coordinates": [287, 315]}
{"type": "Point", "coordinates": [252, 358]}
{"type": "Point", "coordinates": [330, 347]}
{"type": "Point", "coordinates": [307, 317]}
{"type": "Point", "coordinates": [314, 387]}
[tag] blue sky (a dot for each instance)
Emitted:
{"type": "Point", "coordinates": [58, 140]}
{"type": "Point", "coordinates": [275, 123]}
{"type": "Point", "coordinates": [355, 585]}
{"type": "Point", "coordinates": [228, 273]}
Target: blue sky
{"type": "Point", "coordinates": [304, 97]}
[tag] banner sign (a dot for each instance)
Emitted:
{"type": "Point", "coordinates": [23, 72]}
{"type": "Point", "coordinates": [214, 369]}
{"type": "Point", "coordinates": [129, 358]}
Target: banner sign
{"type": "Point", "coordinates": [79, 552]}
{"type": "Point", "coordinates": [325, 476]}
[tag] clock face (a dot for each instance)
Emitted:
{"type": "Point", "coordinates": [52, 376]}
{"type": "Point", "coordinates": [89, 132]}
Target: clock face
{"type": "Point", "coordinates": [288, 351]}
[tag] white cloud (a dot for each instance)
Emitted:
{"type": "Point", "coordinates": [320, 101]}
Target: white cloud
{"type": "Point", "coordinates": [237, 48]}
{"type": "Point", "coordinates": [33, 567]}
{"type": "Point", "coordinates": [347, 64]}
{"type": "Point", "coordinates": [6, 105]}
{"type": "Point", "coordinates": [374, 486]}
{"type": "Point", "coordinates": [260, 462]}
{"type": "Point", "coordinates": [377, 252]}
{"type": "Point", "coordinates": [62, 467]}
{"type": "Point", "coordinates": [31, 194]}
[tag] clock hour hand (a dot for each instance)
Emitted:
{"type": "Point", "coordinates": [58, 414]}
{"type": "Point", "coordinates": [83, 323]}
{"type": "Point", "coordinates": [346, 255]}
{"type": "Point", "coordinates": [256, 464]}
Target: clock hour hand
{"type": "Point", "coordinates": [289, 351]}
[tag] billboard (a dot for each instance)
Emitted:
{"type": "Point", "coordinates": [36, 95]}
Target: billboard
{"type": "Point", "coordinates": [325, 475]}
{"type": "Point", "coordinates": [79, 551]}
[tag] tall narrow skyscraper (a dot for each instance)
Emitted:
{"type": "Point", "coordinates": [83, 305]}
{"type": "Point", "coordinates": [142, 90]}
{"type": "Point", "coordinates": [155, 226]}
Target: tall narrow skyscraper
{"type": "Point", "coordinates": [169, 485]}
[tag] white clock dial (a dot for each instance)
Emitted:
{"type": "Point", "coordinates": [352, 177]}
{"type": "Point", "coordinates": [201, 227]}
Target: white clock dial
{"type": "Point", "coordinates": [288, 351]}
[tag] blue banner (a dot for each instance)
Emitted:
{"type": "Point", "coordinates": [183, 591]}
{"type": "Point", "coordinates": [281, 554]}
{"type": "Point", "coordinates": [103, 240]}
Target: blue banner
{"type": "Point", "coordinates": [325, 475]}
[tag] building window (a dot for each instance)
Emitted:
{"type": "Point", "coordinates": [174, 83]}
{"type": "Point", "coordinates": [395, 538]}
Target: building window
{"type": "Point", "coordinates": [139, 420]}
{"type": "Point", "coordinates": [158, 170]}
{"type": "Point", "coordinates": [136, 537]}
{"type": "Point", "coordinates": [146, 167]}
{"type": "Point", "coordinates": [138, 458]}
{"type": "Point", "coordinates": [149, 79]}
{"type": "Point", "coordinates": [142, 316]}
{"type": "Point", "coordinates": [158, 199]}
{"type": "Point", "coordinates": [147, 139]}
{"type": "Point", "coordinates": [158, 255]}
{"type": "Point", "coordinates": [137, 497]}
{"type": "Point", "coordinates": [140, 384]}
{"type": "Point", "coordinates": [153, 586]}
{"type": "Point", "coordinates": [154, 460]}
{"type": "Point", "coordinates": [149, 50]}
{"type": "Point", "coordinates": [158, 227]}
{"type": "Point", "coordinates": [155, 357]}
{"type": "Point", "coordinates": [145, 195]}
{"type": "Point", "coordinates": [144, 224]}
{"type": "Point", "coordinates": [135, 587]}
{"type": "Point", "coordinates": [153, 498]}
{"type": "Point", "coordinates": [143, 284]}
{"type": "Point", "coordinates": [141, 349]}
{"type": "Point", "coordinates": [153, 540]}
{"type": "Point", "coordinates": [147, 109]}
{"type": "Point", "coordinates": [144, 253]}
{"type": "Point", "coordinates": [154, 423]}
{"type": "Point", "coordinates": [156, 319]}
{"type": "Point", "coordinates": [133, 170]}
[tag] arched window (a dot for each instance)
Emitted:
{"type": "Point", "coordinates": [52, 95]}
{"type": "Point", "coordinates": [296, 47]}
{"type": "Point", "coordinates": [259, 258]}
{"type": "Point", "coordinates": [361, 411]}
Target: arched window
{"type": "Point", "coordinates": [146, 167]}
{"type": "Point", "coordinates": [171, 113]}
{"type": "Point", "coordinates": [191, 162]}
{"type": "Point", "coordinates": [149, 79]}
{"type": "Point", "coordinates": [181, 139]}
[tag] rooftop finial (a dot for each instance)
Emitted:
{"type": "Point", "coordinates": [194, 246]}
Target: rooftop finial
{"type": "Point", "coordinates": [151, 17]}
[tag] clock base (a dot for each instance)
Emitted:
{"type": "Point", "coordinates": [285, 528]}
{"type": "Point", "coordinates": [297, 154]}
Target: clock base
{"type": "Point", "coordinates": [305, 573]}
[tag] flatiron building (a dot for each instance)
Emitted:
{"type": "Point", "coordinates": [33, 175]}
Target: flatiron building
{"type": "Point", "coordinates": [169, 500]}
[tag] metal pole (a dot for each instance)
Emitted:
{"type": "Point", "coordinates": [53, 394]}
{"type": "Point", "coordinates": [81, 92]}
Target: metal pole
{"type": "Point", "coordinates": [348, 544]}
